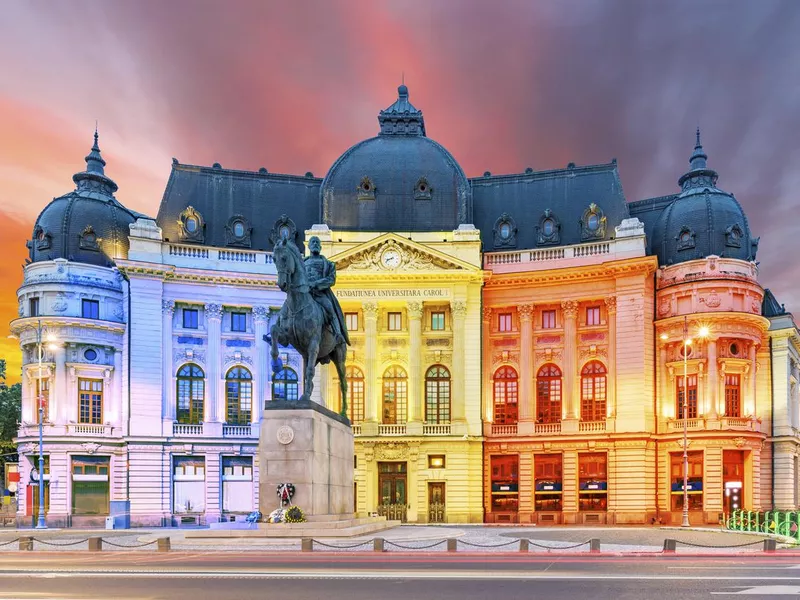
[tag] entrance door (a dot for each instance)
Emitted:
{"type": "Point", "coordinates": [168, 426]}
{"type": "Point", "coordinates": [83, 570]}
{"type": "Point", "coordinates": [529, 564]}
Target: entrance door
{"type": "Point", "coordinates": [436, 507]}
{"type": "Point", "coordinates": [732, 480]}
{"type": "Point", "coordinates": [392, 491]}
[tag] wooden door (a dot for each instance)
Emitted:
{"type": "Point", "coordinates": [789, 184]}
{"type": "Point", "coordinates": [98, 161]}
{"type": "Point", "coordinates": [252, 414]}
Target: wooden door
{"type": "Point", "coordinates": [436, 502]}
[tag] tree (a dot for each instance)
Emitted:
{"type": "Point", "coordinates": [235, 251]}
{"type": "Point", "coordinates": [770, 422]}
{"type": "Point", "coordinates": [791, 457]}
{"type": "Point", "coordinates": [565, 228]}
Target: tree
{"type": "Point", "coordinates": [10, 413]}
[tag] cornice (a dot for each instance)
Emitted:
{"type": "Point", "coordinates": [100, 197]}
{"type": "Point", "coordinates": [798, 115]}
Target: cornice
{"type": "Point", "coordinates": [18, 326]}
{"type": "Point", "coordinates": [709, 318]}
{"type": "Point", "coordinates": [645, 265]}
{"type": "Point", "coordinates": [205, 276]}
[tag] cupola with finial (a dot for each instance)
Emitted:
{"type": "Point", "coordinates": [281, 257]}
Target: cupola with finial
{"type": "Point", "coordinates": [698, 175]}
{"type": "Point", "coordinates": [402, 117]}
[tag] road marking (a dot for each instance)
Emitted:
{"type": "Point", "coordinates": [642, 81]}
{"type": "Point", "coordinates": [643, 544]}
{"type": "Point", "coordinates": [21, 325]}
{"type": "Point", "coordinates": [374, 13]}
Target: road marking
{"type": "Point", "coordinates": [764, 590]}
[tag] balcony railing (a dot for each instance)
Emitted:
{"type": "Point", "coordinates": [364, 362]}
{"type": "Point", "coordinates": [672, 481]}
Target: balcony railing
{"type": "Point", "coordinates": [237, 431]}
{"type": "Point", "coordinates": [548, 254]}
{"type": "Point", "coordinates": [436, 429]}
{"type": "Point", "coordinates": [212, 257]}
{"type": "Point", "coordinates": [738, 423]}
{"type": "Point", "coordinates": [89, 429]}
{"type": "Point", "coordinates": [398, 429]}
{"type": "Point", "coordinates": [186, 429]}
{"type": "Point", "coordinates": [677, 424]}
{"type": "Point", "coordinates": [356, 428]}
{"type": "Point", "coordinates": [498, 429]}
{"type": "Point", "coordinates": [591, 426]}
{"type": "Point", "coordinates": [547, 428]}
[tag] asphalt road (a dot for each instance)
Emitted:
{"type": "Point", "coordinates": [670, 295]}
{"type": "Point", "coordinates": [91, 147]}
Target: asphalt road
{"type": "Point", "coordinates": [185, 576]}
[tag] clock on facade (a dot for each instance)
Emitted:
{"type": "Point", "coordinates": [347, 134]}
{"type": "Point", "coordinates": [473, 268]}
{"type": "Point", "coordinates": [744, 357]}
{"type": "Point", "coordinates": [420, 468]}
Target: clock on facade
{"type": "Point", "coordinates": [390, 259]}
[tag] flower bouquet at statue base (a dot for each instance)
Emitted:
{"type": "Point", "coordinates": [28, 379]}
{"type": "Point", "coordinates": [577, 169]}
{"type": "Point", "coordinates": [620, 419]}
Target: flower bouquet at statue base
{"type": "Point", "coordinates": [276, 516]}
{"type": "Point", "coordinates": [294, 514]}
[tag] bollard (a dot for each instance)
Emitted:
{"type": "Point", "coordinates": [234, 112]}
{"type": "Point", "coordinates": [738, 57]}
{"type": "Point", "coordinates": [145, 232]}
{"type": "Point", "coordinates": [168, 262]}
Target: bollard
{"type": "Point", "coordinates": [670, 546]}
{"type": "Point", "coordinates": [163, 544]}
{"type": "Point", "coordinates": [26, 543]}
{"type": "Point", "coordinates": [307, 545]}
{"type": "Point", "coordinates": [770, 545]}
{"type": "Point", "coordinates": [377, 545]}
{"type": "Point", "coordinates": [594, 545]}
{"type": "Point", "coordinates": [452, 544]}
{"type": "Point", "coordinates": [523, 544]}
{"type": "Point", "coordinates": [95, 544]}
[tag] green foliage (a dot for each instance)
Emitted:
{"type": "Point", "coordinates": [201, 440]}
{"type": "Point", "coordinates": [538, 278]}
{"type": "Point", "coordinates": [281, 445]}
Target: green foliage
{"type": "Point", "coordinates": [2, 373]}
{"type": "Point", "coordinates": [10, 411]}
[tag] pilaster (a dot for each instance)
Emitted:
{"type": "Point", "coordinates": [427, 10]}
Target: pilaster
{"type": "Point", "coordinates": [415, 404]}
{"type": "Point", "coordinates": [570, 312]}
{"type": "Point", "coordinates": [611, 393]}
{"type": "Point", "coordinates": [58, 392]}
{"type": "Point", "coordinates": [713, 380]}
{"type": "Point", "coordinates": [260, 324]}
{"type": "Point", "coordinates": [371, 387]}
{"type": "Point", "coordinates": [458, 308]}
{"type": "Point", "coordinates": [213, 313]}
{"type": "Point", "coordinates": [486, 345]}
{"type": "Point", "coordinates": [168, 409]}
{"type": "Point", "coordinates": [526, 410]}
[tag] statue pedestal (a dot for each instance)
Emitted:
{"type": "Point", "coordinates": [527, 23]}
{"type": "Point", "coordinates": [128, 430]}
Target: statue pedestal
{"type": "Point", "coordinates": [310, 446]}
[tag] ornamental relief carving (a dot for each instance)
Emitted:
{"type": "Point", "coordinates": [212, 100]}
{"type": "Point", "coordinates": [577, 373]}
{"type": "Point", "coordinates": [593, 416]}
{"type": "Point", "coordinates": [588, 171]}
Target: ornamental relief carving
{"type": "Point", "coordinates": [370, 310]}
{"type": "Point", "coordinates": [548, 355]}
{"type": "Point", "coordinates": [237, 358]}
{"type": "Point", "coordinates": [433, 342]}
{"type": "Point", "coordinates": [665, 307]}
{"type": "Point", "coordinates": [391, 451]}
{"type": "Point", "coordinates": [592, 352]}
{"type": "Point", "coordinates": [213, 311]}
{"type": "Point", "coordinates": [712, 300]}
{"type": "Point", "coordinates": [188, 355]}
{"type": "Point", "coordinates": [411, 259]}
{"type": "Point", "coordinates": [570, 309]}
{"type": "Point", "coordinates": [458, 308]}
{"type": "Point", "coordinates": [526, 311]}
{"type": "Point", "coordinates": [505, 356]}
{"type": "Point", "coordinates": [439, 357]}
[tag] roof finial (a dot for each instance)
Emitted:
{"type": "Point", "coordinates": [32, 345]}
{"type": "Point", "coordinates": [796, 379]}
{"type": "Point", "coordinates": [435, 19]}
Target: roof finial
{"type": "Point", "coordinates": [96, 148]}
{"type": "Point", "coordinates": [698, 158]}
{"type": "Point", "coordinates": [403, 77]}
{"type": "Point", "coordinates": [697, 143]}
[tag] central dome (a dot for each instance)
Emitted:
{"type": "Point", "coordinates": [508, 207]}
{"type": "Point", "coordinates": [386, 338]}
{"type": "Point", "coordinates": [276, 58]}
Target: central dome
{"type": "Point", "coordinates": [398, 177]}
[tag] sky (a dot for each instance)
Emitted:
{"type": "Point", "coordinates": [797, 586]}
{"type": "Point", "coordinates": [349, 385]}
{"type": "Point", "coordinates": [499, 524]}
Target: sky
{"type": "Point", "coordinates": [503, 84]}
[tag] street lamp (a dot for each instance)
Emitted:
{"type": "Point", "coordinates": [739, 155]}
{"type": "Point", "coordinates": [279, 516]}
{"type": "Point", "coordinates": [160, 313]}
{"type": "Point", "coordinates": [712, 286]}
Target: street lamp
{"type": "Point", "coordinates": [687, 341]}
{"type": "Point", "coordinates": [40, 523]}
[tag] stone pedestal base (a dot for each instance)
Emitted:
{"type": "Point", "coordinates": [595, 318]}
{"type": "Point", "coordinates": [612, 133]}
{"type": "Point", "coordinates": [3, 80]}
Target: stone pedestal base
{"type": "Point", "coordinates": [310, 446]}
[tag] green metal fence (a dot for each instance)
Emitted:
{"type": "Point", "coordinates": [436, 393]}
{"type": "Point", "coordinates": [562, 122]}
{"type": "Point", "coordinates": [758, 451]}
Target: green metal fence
{"type": "Point", "coordinates": [780, 522]}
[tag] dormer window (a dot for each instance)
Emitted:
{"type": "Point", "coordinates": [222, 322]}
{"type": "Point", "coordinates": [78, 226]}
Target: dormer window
{"type": "Point", "coordinates": [685, 238]}
{"type": "Point", "coordinates": [41, 238]}
{"type": "Point", "coordinates": [733, 236]}
{"type": "Point", "coordinates": [88, 239]}
{"type": "Point", "coordinates": [593, 223]}
{"type": "Point", "coordinates": [284, 232]}
{"type": "Point", "coordinates": [366, 189]}
{"type": "Point", "coordinates": [549, 229]}
{"type": "Point", "coordinates": [237, 232]}
{"type": "Point", "coordinates": [422, 191]}
{"type": "Point", "coordinates": [191, 226]}
{"type": "Point", "coordinates": [505, 232]}
{"type": "Point", "coordinates": [284, 228]}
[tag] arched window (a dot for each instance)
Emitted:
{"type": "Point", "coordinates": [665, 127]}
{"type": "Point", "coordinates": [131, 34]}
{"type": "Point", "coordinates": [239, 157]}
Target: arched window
{"type": "Point", "coordinates": [505, 396]}
{"type": "Point", "coordinates": [548, 394]}
{"type": "Point", "coordinates": [355, 394]}
{"type": "Point", "coordinates": [239, 396]}
{"type": "Point", "coordinates": [395, 396]}
{"type": "Point", "coordinates": [191, 392]}
{"type": "Point", "coordinates": [437, 395]}
{"type": "Point", "coordinates": [284, 385]}
{"type": "Point", "coordinates": [593, 392]}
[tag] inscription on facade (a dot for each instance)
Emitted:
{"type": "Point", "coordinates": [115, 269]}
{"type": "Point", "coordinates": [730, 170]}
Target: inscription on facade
{"type": "Point", "coordinates": [395, 293]}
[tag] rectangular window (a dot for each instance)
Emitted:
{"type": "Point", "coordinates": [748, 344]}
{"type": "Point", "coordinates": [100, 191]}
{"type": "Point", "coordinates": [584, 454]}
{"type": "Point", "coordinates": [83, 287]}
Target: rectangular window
{"type": "Point", "coordinates": [395, 321]}
{"type": "Point", "coordinates": [90, 309]}
{"type": "Point", "coordinates": [190, 320]}
{"type": "Point", "coordinates": [691, 412]}
{"type": "Point", "coordinates": [189, 484]}
{"type": "Point", "coordinates": [733, 405]}
{"type": "Point", "coordinates": [547, 482]}
{"type": "Point", "coordinates": [43, 399]}
{"type": "Point", "coordinates": [504, 322]}
{"type": "Point", "coordinates": [238, 321]}
{"type": "Point", "coordinates": [237, 484]}
{"type": "Point", "coordinates": [592, 482]}
{"type": "Point", "coordinates": [351, 321]}
{"type": "Point", "coordinates": [436, 461]}
{"type": "Point", "coordinates": [548, 319]}
{"type": "Point", "coordinates": [694, 483]}
{"type": "Point", "coordinates": [437, 321]}
{"type": "Point", "coordinates": [33, 306]}
{"type": "Point", "coordinates": [593, 315]}
{"type": "Point", "coordinates": [505, 483]}
{"type": "Point", "coordinates": [90, 485]}
{"type": "Point", "coordinates": [90, 398]}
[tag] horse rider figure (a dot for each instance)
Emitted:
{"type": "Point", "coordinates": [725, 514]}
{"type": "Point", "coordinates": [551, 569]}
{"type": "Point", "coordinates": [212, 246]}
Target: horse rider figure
{"type": "Point", "coordinates": [321, 275]}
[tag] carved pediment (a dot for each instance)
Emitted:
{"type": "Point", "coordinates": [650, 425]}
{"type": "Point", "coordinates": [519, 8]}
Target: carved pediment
{"type": "Point", "coordinates": [394, 254]}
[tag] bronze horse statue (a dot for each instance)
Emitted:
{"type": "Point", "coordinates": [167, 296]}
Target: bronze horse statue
{"type": "Point", "coordinates": [302, 323]}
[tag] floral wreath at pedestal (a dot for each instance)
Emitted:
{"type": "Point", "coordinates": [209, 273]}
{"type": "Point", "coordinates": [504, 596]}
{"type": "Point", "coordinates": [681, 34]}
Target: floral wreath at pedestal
{"type": "Point", "coordinates": [294, 514]}
{"type": "Point", "coordinates": [285, 493]}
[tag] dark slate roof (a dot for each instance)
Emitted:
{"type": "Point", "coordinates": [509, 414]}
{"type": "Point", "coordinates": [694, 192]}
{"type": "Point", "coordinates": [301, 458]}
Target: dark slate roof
{"type": "Point", "coordinates": [648, 211]}
{"type": "Point", "coordinates": [87, 225]}
{"type": "Point", "coordinates": [567, 193]}
{"type": "Point", "coordinates": [218, 195]}
{"type": "Point", "coordinates": [703, 220]}
{"type": "Point", "coordinates": [400, 180]}
{"type": "Point", "coordinates": [770, 306]}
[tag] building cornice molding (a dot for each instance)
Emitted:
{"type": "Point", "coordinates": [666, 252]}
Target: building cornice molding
{"type": "Point", "coordinates": [202, 276]}
{"type": "Point", "coordinates": [645, 265]}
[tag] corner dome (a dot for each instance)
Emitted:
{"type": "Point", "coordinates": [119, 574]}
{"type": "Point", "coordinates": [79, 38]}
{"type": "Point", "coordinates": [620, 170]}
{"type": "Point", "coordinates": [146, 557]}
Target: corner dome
{"type": "Point", "coordinates": [87, 225]}
{"type": "Point", "coordinates": [399, 176]}
{"type": "Point", "coordinates": [703, 220]}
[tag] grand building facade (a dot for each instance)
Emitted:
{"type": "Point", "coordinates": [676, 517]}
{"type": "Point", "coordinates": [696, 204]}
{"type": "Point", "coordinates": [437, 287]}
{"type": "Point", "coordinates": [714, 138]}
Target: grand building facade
{"type": "Point", "coordinates": [524, 348]}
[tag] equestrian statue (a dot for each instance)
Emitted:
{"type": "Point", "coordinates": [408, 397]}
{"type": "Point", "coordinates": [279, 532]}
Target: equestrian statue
{"type": "Point", "coordinates": [310, 319]}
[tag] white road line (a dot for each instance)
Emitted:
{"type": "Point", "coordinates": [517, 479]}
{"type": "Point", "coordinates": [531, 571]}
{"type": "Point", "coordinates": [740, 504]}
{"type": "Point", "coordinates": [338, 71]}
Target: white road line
{"type": "Point", "coordinates": [764, 590]}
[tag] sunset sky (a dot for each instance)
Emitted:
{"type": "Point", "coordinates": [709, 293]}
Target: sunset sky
{"type": "Point", "coordinates": [503, 85]}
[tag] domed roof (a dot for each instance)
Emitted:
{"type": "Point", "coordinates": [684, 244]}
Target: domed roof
{"type": "Point", "coordinates": [703, 220]}
{"type": "Point", "coordinates": [87, 225]}
{"type": "Point", "coordinates": [400, 178]}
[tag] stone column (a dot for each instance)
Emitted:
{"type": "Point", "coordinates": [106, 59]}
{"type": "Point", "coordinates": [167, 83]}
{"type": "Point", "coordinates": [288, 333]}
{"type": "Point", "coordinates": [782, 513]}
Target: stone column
{"type": "Point", "coordinates": [458, 308]}
{"type": "Point", "coordinates": [663, 384]}
{"type": "Point", "coordinates": [611, 391]}
{"type": "Point", "coordinates": [214, 327]}
{"type": "Point", "coordinates": [261, 322]}
{"type": "Point", "coordinates": [570, 312]}
{"type": "Point", "coordinates": [487, 365]}
{"type": "Point", "coordinates": [168, 409]}
{"type": "Point", "coordinates": [371, 387]}
{"type": "Point", "coordinates": [119, 400]}
{"type": "Point", "coordinates": [58, 392]}
{"type": "Point", "coordinates": [415, 393]}
{"type": "Point", "coordinates": [713, 380]}
{"type": "Point", "coordinates": [526, 400]}
{"type": "Point", "coordinates": [750, 407]}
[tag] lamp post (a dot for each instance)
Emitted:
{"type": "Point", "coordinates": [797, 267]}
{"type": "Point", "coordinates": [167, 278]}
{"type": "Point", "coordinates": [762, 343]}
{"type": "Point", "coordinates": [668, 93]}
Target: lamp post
{"type": "Point", "coordinates": [41, 523]}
